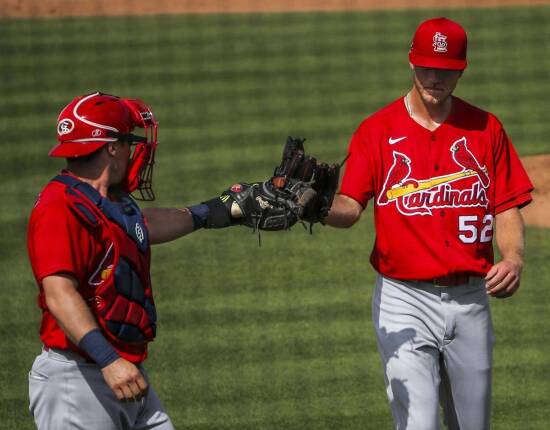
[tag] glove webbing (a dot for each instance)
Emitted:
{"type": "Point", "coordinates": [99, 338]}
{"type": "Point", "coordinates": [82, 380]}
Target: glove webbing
{"type": "Point", "coordinates": [257, 219]}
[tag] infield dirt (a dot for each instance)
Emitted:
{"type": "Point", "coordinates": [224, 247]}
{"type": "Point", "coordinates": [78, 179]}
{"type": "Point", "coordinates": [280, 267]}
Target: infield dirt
{"type": "Point", "coordinates": [537, 213]}
{"type": "Point", "coordinates": [56, 8]}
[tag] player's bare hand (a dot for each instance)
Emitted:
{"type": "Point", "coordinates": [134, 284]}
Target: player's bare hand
{"type": "Point", "coordinates": [125, 379]}
{"type": "Point", "coordinates": [503, 279]}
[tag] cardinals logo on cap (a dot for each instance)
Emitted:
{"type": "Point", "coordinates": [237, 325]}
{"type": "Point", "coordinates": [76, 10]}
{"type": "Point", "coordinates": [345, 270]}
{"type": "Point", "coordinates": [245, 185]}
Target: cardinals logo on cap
{"type": "Point", "coordinates": [440, 42]}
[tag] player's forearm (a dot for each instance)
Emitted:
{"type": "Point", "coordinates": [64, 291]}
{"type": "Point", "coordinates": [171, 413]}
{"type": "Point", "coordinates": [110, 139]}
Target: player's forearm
{"type": "Point", "coordinates": [344, 212]}
{"type": "Point", "coordinates": [166, 224]}
{"type": "Point", "coordinates": [510, 235]}
{"type": "Point", "coordinates": [68, 307]}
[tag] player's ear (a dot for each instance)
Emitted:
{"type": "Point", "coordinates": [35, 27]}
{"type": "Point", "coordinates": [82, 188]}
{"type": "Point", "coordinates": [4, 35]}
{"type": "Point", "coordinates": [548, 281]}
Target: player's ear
{"type": "Point", "coordinates": [411, 65]}
{"type": "Point", "coordinates": [113, 148]}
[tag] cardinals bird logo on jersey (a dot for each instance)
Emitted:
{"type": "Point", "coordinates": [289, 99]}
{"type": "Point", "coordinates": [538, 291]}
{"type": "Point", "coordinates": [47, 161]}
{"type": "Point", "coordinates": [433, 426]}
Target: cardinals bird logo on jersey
{"type": "Point", "coordinates": [418, 197]}
{"type": "Point", "coordinates": [464, 158]}
{"type": "Point", "coordinates": [398, 173]}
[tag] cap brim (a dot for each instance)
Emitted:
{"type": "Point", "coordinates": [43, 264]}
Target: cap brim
{"type": "Point", "coordinates": [437, 63]}
{"type": "Point", "coordinates": [74, 149]}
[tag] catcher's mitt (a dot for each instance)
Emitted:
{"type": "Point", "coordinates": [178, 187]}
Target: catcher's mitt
{"type": "Point", "coordinates": [264, 206]}
{"type": "Point", "coordinates": [296, 165]}
{"type": "Point", "coordinates": [260, 205]}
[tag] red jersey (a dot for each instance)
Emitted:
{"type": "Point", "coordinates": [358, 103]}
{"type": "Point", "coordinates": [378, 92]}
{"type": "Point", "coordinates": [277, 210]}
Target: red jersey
{"type": "Point", "coordinates": [58, 242]}
{"type": "Point", "coordinates": [436, 192]}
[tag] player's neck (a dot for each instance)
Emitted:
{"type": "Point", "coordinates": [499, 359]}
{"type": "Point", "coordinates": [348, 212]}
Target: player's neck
{"type": "Point", "coordinates": [428, 115]}
{"type": "Point", "coordinates": [96, 178]}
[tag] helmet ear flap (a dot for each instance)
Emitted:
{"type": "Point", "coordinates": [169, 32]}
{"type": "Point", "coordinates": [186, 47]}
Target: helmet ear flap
{"type": "Point", "coordinates": [133, 175]}
{"type": "Point", "coordinates": [141, 113]}
{"type": "Point", "coordinates": [140, 170]}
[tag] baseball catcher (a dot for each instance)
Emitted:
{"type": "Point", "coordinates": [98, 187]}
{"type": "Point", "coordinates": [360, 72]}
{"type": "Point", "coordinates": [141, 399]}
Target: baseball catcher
{"type": "Point", "coordinates": [89, 245]}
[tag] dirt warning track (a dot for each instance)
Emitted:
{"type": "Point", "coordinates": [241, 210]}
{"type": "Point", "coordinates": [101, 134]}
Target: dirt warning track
{"type": "Point", "coordinates": [59, 8]}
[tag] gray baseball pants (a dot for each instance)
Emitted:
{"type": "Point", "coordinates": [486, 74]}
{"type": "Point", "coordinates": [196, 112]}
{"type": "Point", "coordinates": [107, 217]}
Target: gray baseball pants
{"type": "Point", "coordinates": [436, 348]}
{"type": "Point", "coordinates": [68, 393]}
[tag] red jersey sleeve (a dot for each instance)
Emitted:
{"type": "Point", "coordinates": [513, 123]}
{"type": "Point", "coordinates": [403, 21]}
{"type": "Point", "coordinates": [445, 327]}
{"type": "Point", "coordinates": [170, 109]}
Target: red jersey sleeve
{"type": "Point", "coordinates": [358, 181]}
{"type": "Point", "coordinates": [512, 185]}
{"type": "Point", "coordinates": [57, 241]}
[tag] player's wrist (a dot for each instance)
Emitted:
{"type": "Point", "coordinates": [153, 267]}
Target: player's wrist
{"type": "Point", "coordinates": [98, 348]}
{"type": "Point", "coordinates": [216, 213]}
{"type": "Point", "coordinates": [200, 214]}
{"type": "Point", "coordinates": [515, 261]}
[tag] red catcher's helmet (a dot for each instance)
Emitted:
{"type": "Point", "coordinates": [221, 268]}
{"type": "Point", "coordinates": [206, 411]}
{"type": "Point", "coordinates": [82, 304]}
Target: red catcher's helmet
{"type": "Point", "coordinates": [91, 121]}
{"type": "Point", "coordinates": [439, 43]}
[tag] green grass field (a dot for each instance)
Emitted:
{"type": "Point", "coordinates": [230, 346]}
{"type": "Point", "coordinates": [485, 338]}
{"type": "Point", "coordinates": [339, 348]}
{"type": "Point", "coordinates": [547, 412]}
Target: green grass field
{"type": "Point", "coordinates": [277, 337]}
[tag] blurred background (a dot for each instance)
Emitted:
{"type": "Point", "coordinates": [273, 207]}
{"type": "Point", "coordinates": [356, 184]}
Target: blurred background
{"type": "Point", "coordinates": [278, 336]}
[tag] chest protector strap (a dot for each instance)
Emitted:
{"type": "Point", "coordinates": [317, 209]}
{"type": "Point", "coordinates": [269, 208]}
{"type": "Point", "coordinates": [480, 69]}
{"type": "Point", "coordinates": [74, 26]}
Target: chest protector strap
{"type": "Point", "coordinates": [121, 297]}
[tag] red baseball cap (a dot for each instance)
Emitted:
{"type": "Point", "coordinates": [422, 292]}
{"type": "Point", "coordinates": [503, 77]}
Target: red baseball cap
{"type": "Point", "coordinates": [439, 43]}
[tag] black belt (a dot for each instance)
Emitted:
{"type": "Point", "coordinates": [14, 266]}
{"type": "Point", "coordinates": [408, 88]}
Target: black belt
{"type": "Point", "coordinates": [453, 280]}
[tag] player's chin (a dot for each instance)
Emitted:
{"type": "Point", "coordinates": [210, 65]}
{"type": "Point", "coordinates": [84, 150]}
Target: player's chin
{"type": "Point", "coordinates": [435, 97]}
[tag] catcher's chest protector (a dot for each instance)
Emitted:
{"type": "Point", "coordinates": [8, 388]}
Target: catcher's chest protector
{"type": "Point", "coordinates": [119, 290]}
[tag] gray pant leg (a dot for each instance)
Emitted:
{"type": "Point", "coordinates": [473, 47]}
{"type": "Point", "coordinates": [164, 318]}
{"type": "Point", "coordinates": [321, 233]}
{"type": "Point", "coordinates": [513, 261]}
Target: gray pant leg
{"type": "Point", "coordinates": [425, 331]}
{"type": "Point", "coordinates": [152, 414]}
{"type": "Point", "coordinates": [67, 394]}
{"type": "Point", "coordinates": [467, 360]}
{"type": "Point", "coordinates": [409, 352]}
{"type": "Point", "coordinates": [45, 397]}
{"type": "Point", "coordinates": [61, 397]}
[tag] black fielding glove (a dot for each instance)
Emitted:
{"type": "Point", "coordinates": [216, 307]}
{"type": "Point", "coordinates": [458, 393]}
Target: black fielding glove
{"type": "Point", "coordinates": [322, 177]}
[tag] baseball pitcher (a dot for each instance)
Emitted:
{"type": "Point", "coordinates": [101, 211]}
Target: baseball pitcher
{"type": "Point", "coordinates": [445, 180]}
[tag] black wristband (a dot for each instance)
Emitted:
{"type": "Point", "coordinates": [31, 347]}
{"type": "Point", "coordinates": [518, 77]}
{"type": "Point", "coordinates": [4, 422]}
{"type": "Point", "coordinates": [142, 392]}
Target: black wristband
{"type": "Point", "coordinates": [98, 348]}
{"type": "Point", "coordinates": [200, 215]}
{"type": "Point", "coordinates": [219, 214]}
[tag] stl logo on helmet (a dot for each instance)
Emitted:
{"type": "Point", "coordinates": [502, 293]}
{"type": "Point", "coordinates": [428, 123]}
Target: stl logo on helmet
{"type": "Point", "coordinates": [96, 132]}
{"type": "Point", "coordinates": [65, 126]}
{"type": "Point", "coordinates": [237, 188]}
{"type": "Point", "coordinates": [146, 116]}
{"type": "Point", "coordinates": [440, 42]}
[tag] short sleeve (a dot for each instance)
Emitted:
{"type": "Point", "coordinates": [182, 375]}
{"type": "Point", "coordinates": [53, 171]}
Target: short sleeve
{"type": "Point", "coordinates": [512, 184]}
{"type": "Point", "coordinates": [57, 241]}
{"type": "Point", "coordinates": [358, 182]}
